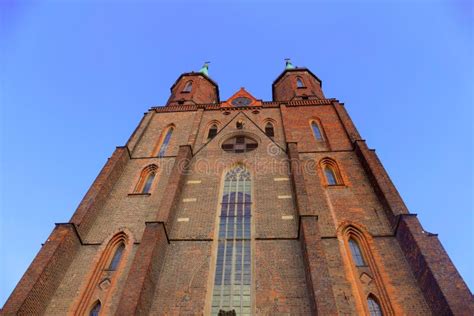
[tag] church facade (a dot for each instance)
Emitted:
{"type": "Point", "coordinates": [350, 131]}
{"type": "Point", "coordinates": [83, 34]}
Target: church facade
{"type": "Point", "coordinates": [242, 207]}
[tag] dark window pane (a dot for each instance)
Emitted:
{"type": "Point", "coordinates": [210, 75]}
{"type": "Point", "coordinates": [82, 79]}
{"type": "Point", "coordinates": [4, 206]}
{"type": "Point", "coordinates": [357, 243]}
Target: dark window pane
{"type": "Point", "coordinates": [269, 130]}
{"type": "Point", "coordinates": [212, 132]}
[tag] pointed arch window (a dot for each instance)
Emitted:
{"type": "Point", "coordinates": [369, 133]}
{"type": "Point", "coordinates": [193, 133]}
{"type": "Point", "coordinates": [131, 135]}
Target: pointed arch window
{"type": "Point", "coordinates": [116, 258]}
{"type": "Point", "coordinates": [269, 131]}
{"type": "Point", "coordinates": [212, 132]}
{"type": "Point", "coordinates": [188, 86]}
{"type": "Point", "coordinates": [316, 131]}
{"type": "Point", "coordinates": [233, 274]}
{"type": "Point", "coordinates": [95, 309]}
{"type": "Point", "coordinates": [374, 306]}
{"type": "Point", "coordinates": [299, 82]}
{"type": "Point", "coordinates": [331, 172]}
{"type": "Point", "coordinates": [330, 176]}
{"type": "Point", "coordinates": [146, 179]}
{"type": "Point", "coordinates": [165, 143]}
{"type": "Point", "coordinates": [356, 253]}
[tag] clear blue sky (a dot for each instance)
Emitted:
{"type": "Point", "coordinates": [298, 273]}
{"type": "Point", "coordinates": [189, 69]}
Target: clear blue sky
{"type": "Point", "coordinates": [77, 76]}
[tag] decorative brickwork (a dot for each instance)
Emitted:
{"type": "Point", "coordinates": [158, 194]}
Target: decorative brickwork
{"type": "Point", "coordinates": [329, 233]}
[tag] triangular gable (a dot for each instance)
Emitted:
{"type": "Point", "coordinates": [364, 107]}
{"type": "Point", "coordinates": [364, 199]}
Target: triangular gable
{"type": "Point", "coordinates": [233, 120]}
{"type": "Point", "coordinates": [242, 99]}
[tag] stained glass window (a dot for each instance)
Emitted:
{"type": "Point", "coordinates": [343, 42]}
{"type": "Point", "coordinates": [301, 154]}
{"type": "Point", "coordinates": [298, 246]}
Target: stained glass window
{"type": "Point", "coordinates": [232, 283]}
{"type": "Point", "coordinates": [374, 307]}
{"type": "Point", "coordinates": [356, 253]}
{"type": "Point", "coordinates": [316, 131]}
{"type": "Point", "coordinates": [116, 259]}
{"type": "Point", "coordinates": [96, 309]}
{"type": "Point", "coordinates": [165, 143]}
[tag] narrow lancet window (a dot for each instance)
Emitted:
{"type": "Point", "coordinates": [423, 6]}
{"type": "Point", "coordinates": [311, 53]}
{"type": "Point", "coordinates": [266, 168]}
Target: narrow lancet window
{"type": "Point", "coordinates": [188, 87]}
{"type": "Point", "coordinates": [356, 253]}
{"type": "Point", "coordinates": [117, 256]}
{"type": "Point", "coordinates": [212, 132]}
{"type": "Point", "coordinates": [95, 309]}
{"type": "Point", "coordinates": [165, 142]}
{"type": "Point", "coordinates": [149, 182]}
{"type": "Point", "coordinates": [299, 83]}
{"type": "Point", "coordinates": [316, 131]}
{"type": "Point", "coordinates": [374, 307]}
{"type": "Point", "coordinates": [232, 283]}
{"type": "Point", "coordinates": [269, 130]}
{"type": "Point", "coordinates": [330, 176]}
{"type": "Point", "coordinates": [145, 182]}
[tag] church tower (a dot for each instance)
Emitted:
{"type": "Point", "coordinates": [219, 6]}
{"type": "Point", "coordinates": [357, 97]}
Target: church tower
{"type": "Point", "coordinates": [242, 207]}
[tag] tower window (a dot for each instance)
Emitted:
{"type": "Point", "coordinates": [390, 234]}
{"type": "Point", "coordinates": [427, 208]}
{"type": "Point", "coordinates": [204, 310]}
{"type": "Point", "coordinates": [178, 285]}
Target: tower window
{"type": "Point", "coordinates": [299, 83]}
{"type": "Point", "coordinates": [188, 87]}
{"type": "Point", "coordinates": [165, 142]}
{"type": "Point", "coordinates": [374, 307]}
{"type": "Point", "coordinates": [356, 253]}
{"type": "Point", "coordinates": [212, 132]}
{"type": "Point", "coordinates": [239, 124]}
{"type": "Point", "coordinates": [269, 130]}
{"type": "Point", "coordinates": [233, 274]}
{"type": "Point", "coordinates": [117, 256]}
{"type": "Point", "coordinates": [316, 131]}
{"type": "Point", "coordinates": [95, 309]}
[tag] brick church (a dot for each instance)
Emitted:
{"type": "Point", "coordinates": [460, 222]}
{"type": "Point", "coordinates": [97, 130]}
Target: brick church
{"type": "Point", "coordinates": [242, 207]}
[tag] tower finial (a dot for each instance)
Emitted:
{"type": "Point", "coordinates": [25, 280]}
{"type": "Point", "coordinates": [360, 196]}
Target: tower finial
{"type": "Point", "coordinates": [289, 65]}
{"type": "Point", "coordinates": [205, 68]}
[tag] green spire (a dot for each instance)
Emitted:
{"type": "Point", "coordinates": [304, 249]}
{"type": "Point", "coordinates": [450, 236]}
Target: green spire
{"type": "Point", "coordinates": [205, 68]}
{"type": "Point", "coordinates": [289, 65]}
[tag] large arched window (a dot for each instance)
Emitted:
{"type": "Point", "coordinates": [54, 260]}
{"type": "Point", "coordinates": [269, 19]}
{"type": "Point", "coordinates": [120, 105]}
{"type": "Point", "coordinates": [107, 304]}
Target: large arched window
{"type": "Point", "coordinates": [95, 310]}
{"type": "Point", "coordinates": [146, 179]}
{"type": "Point", "coordinates": [116, 258]}
{"type": "Point", "coordinates": [269, 131]}
{"type": "Point", "coordinates": [356, 253]}
{"type": "Point", "coordinates": [233, 274]}
{"type": "Point", "coordinates": [188, 86]}
{"type": "Point", "coordinates": [316, 131]}
{"type": "Point", "coordinates": [374, 306]}
{"type": "Point", "coordinates": [165, 142]}
{"type": "Point", "coordinates": [299, 82]}
{"type": "Point", "coordinates": [212, 132]}
{"type": "Point", "coordinates": [331, 172]}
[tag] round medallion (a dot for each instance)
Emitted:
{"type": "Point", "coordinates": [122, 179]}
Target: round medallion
{"type": "Point", "coordinates": [241, 101]}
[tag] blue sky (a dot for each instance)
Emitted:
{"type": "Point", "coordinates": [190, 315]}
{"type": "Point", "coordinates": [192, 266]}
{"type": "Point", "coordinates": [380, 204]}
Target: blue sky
{"type": "Point", "coordinates": [77, 76]}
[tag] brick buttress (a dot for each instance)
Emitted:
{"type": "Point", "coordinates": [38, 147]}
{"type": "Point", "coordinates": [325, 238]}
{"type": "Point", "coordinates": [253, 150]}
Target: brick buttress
{"type": "Point", "coordinates": [148, 261]}
{"type": "Point", "coordinates": [316, 270]}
